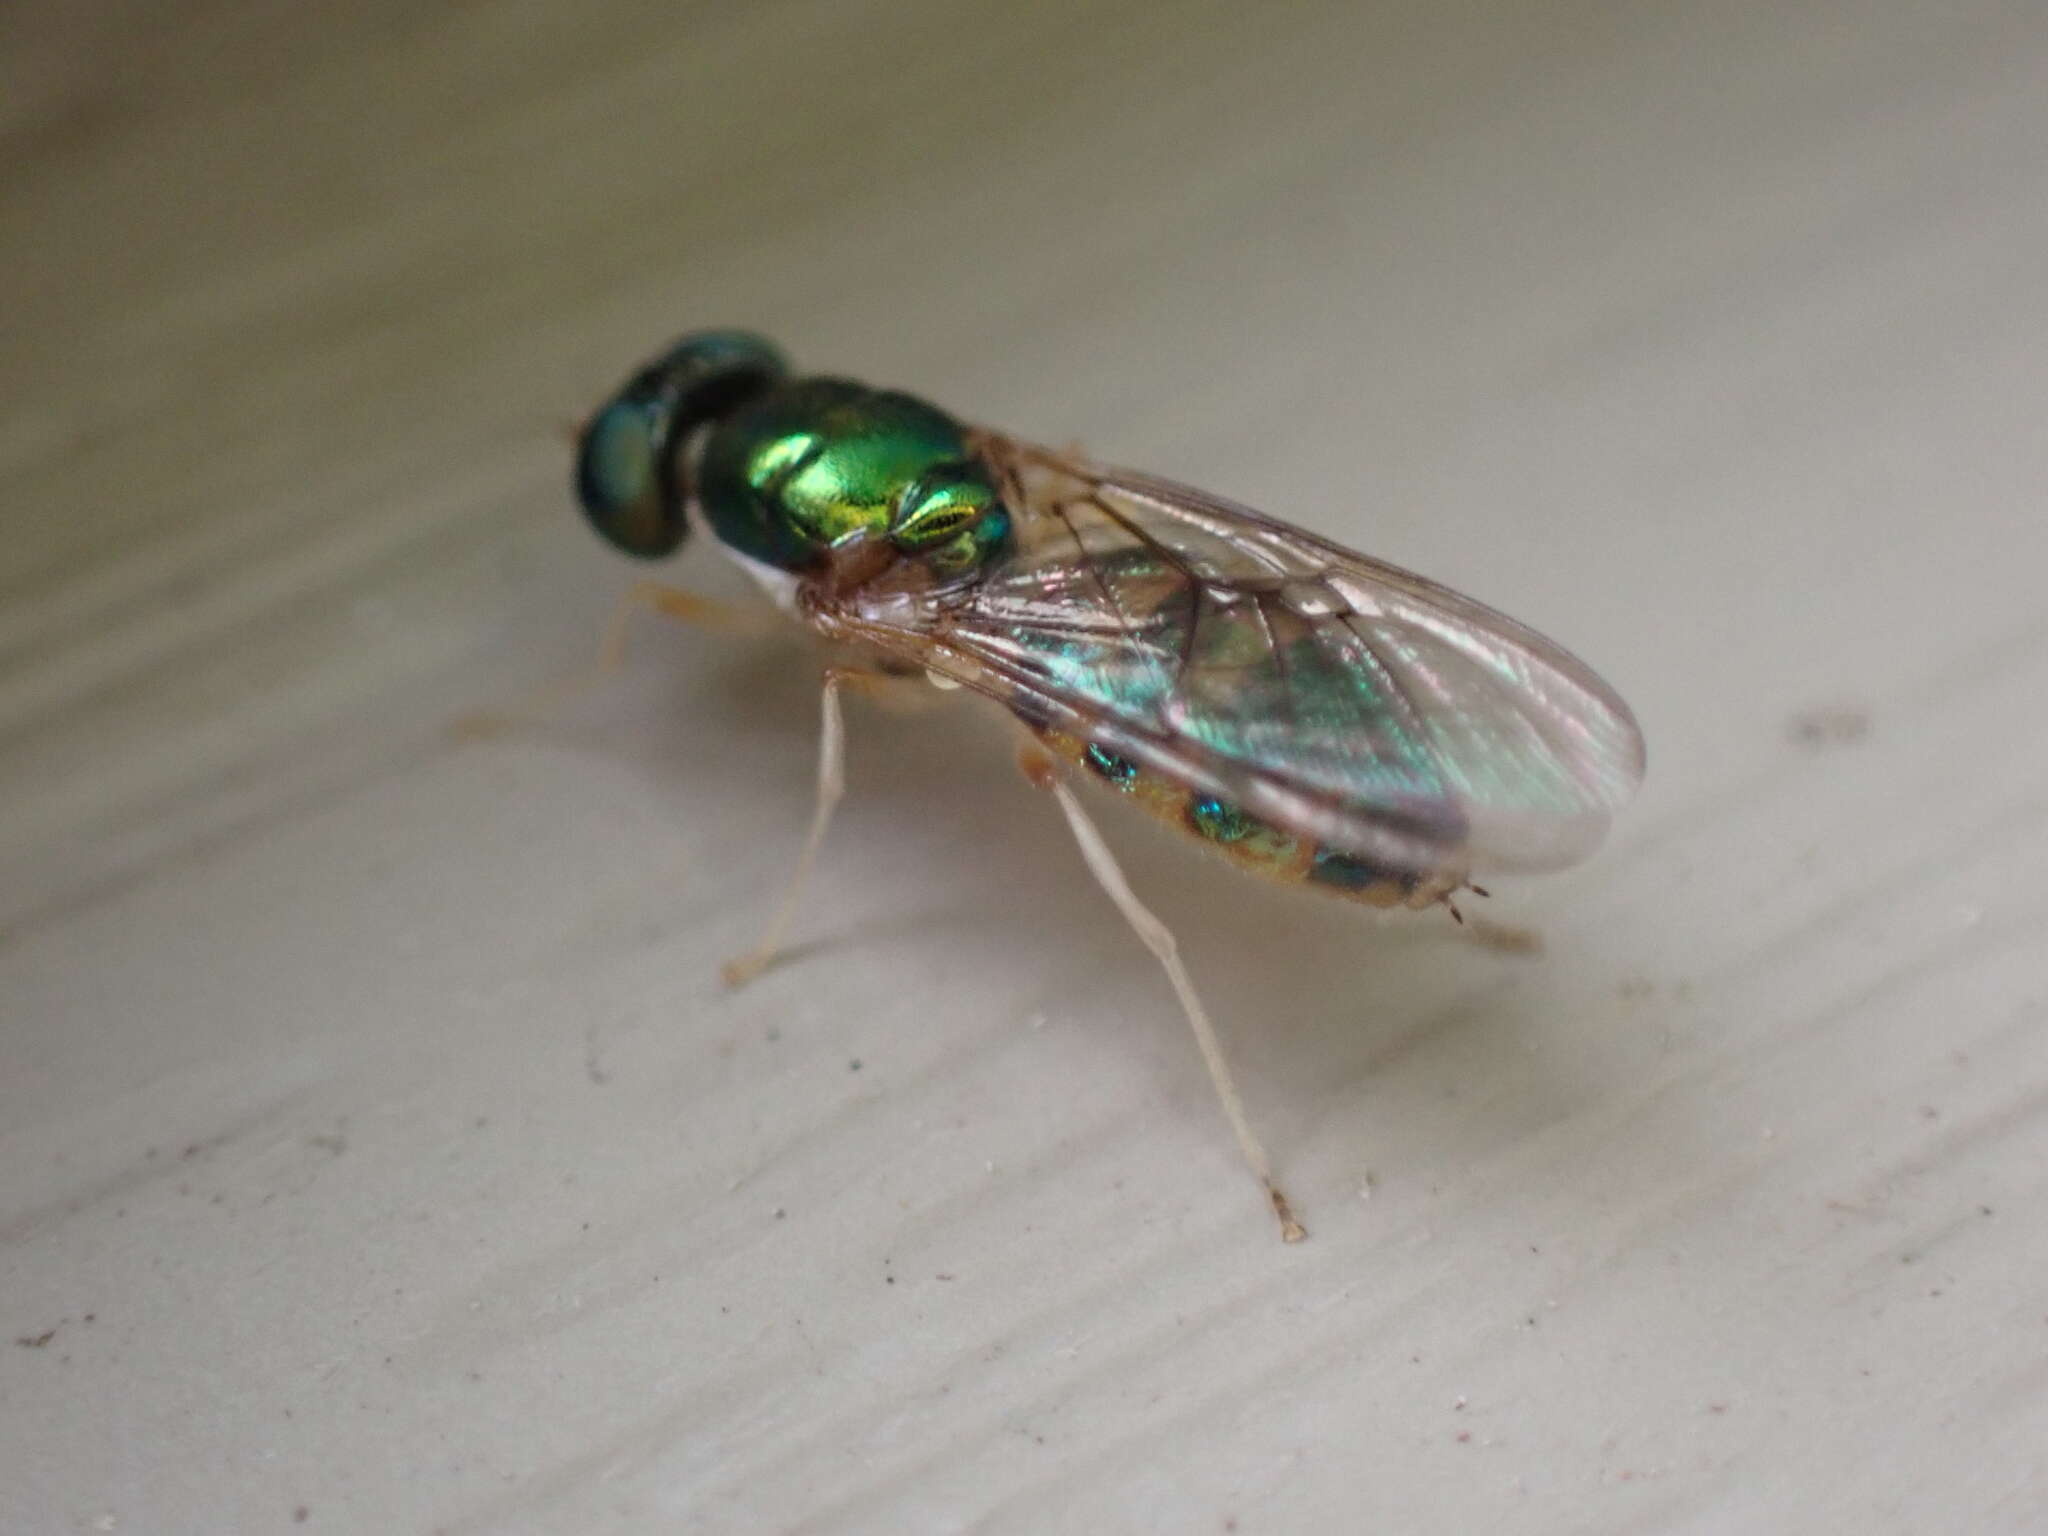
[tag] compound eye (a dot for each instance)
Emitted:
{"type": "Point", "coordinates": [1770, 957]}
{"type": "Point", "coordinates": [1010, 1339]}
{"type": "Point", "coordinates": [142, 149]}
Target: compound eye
{"type": "Point", "coordinates": [627, 478]}
{"type": "Point", "coordinates": [627, 490]}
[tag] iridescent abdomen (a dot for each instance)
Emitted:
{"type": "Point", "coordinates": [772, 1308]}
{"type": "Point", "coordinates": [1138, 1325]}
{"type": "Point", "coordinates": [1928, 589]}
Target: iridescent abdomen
{"type": "Point", "coordinates": [1255, 846]}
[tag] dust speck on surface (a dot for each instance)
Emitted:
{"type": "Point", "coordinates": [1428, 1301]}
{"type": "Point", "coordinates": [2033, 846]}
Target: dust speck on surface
{"type": "Point", "coordinates": [1827, 725]}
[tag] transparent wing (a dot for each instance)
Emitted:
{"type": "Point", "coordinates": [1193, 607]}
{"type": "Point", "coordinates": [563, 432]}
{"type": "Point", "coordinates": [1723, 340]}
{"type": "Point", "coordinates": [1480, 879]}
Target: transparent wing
{"type": "Point", "coordinates": [1330, 694]}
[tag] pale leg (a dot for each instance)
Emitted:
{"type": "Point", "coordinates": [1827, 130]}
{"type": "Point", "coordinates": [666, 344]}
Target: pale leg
{"type": "Point", "coordinates": [831, 785]}
{"type": "Point", "coordinates": [1507, 938]}
{"type": "Point", "coordinates": [670, 602]}
{"type": "Point", "coordinates": [1159, 939]}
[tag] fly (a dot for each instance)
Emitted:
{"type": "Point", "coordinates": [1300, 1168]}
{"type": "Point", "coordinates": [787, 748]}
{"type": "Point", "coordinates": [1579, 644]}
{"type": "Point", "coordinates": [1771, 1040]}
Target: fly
{"type": "Point", "coordinates": [1312, 715]}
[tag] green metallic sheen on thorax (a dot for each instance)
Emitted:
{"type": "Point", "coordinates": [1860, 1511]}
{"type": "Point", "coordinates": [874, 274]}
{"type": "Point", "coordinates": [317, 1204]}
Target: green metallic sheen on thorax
{"type": "Point", "coordinates": [815, 466]}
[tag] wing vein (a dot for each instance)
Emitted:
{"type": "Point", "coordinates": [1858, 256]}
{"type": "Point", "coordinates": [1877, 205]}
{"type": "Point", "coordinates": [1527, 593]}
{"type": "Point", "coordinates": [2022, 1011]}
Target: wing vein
{"type": "Point", "coordinates": [1125, 619]}
{"type": "Point", "coordinates": [1374, 711]}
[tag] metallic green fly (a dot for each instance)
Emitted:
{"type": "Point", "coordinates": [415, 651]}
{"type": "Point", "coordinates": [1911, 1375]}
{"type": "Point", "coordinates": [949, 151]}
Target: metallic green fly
{"type": "Point", "coordinates": [1313, 715]}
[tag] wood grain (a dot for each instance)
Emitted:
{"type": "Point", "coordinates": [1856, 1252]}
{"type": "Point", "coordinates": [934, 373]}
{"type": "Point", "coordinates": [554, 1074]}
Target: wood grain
{"type": "Point", "coordinates": [375, 1138]}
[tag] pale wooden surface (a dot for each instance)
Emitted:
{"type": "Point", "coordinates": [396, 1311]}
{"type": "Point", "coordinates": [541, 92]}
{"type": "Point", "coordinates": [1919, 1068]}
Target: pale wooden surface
{"type": "Point", "coordinates": [375, 1139]}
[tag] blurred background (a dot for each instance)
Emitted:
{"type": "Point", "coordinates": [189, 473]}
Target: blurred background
{"type": "Point", "coordinates": [378, 1150]}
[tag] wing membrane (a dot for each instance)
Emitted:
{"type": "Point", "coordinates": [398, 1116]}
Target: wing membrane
{"type": "Point", "coordinates": [1334, 695]}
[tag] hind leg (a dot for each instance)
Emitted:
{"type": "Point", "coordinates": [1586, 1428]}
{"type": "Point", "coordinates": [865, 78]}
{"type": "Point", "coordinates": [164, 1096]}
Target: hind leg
{"type": "Point", "coordinates": [1158, 938]}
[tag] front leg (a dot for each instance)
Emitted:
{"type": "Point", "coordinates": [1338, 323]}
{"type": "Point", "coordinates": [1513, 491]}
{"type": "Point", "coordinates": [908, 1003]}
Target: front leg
{"type": "Point", "coordinates": [642, 597]}
{"type": "Point", "coordinates": [742, 969]}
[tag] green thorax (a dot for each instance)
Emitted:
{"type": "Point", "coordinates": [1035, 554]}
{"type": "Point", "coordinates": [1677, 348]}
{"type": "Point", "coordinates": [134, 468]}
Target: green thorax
{"type": "Point", "coordinates": [816, 466]}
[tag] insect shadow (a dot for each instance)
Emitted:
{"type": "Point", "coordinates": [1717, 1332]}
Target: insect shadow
{"type": "Point", "coordinates": [1328, 1007]}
